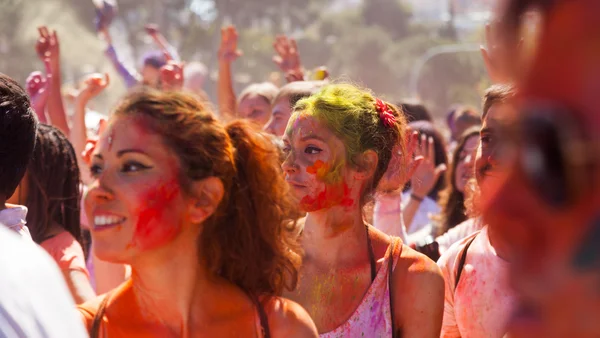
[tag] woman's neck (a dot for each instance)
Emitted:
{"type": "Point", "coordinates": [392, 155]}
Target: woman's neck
{"type": "Point", "coordinates": [165, 283]}
{"type": "Point", "coordinates": [334, 235]}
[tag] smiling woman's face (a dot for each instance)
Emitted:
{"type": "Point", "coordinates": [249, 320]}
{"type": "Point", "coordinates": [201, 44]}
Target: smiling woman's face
{"type": "Point", "coordinates": [135, 202]}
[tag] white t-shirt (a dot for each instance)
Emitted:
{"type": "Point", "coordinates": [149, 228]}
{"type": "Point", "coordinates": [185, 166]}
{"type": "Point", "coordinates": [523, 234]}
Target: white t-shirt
{"type": "Point", "coordinates": [463, 230]}
{"type": "Point", "coordinates": [422, 217]}
{"type": "Point", "coordinates": [483, 300]}
{"type": "Point", "coordinates": [34, 299]}
{"type": "Point", "coordinates": [14, 218]}
{"type": "Point", "coordinates": [387, 215]}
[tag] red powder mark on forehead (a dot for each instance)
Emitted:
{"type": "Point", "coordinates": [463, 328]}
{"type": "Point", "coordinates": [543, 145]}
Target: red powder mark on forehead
{"type": "Point", "coordinates": [333, 195]}
{"type": "Point", "coordinates": [153, 228]}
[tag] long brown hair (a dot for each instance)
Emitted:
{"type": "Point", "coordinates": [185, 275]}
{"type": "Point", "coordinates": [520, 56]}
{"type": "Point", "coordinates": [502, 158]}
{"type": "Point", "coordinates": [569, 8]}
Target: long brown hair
{"type": "Point", "coordinates": [246, 240]}
{"type": "Point", "coordinates": [53, 193]}
{"type": "Point", "coordinates": [452, 201]}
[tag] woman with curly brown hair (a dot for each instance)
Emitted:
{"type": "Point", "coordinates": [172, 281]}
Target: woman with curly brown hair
{"type": "Point", "coordinates": [198, 211]}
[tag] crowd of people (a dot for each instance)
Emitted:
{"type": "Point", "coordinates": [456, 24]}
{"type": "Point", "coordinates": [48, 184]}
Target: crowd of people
{"type": "Point", "coordinates": [314, 209]}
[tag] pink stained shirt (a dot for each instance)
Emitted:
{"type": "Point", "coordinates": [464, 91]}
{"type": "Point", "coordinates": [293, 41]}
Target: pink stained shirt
{"type": "Point", "coordinates": [66, 251]}
{"type": "Point", "coordinates": [483, 300]}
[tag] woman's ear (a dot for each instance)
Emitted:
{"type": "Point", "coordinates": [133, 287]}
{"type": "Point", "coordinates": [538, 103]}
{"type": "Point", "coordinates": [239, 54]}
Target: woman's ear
{"type": "Point", "coordinates": [208, 194]}
{"type": "Point", "coordinates": [366, 164]}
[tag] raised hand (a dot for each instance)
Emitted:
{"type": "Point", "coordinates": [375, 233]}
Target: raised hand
{"type": "Point", "coordinates": [93, 85]}
{"type": "Point", "coordinates": [171, 74]}
{"type": "Point", "coordinates": [38, 88]}
{"type": "Point", "coordinates": [228, 51]}
{"type": "Point", "coordinates": [288, 58]}
{"type": "Point", "coordinates": [426, 173]}
{"type": "Point", "coordinates": [495, 55]}
{"type": "Point", "coordinates": [47, 47]}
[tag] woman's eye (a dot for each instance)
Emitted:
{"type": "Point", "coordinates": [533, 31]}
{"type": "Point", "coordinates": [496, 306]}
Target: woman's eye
{"type": "Point", "coordinates": [485, 140]}
{"type": "Point", "coordinates": [95, 170]}
{"type": "Point", "coordinates": [312, 150]}
{"type": "Point", "coordinates": [133, 167]}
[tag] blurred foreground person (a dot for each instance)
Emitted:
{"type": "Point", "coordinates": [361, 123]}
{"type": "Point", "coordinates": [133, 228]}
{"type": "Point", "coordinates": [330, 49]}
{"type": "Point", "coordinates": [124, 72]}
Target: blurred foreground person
{"type": "Point", "coordinates": [34, 300]}
{"type": "Point", "coordinates": [549, 206]}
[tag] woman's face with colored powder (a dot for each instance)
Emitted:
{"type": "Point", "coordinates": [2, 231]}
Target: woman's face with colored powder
{"type": "Point", "coordinates": [135, 202]}
{"type": "Point", "coordinates": [316, 166]}
{"type": "Point", "coordinates": [256, 108]}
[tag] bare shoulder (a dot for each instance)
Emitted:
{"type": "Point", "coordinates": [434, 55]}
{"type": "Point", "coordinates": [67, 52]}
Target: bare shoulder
{"type": "Point", "coordinates": [414, 267]}
{"type": "Point", "coordinates": [289, 319]}
{"type": "Point", "coordinates": [420, 299]}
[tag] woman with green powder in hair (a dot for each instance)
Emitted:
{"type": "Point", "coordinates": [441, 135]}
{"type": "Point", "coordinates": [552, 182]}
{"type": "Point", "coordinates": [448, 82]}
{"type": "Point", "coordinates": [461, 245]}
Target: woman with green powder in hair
{"type": "Point", "coordinates": [355, 280]}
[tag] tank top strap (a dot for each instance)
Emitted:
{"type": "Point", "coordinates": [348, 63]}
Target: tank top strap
{"type": "Point", "coordinates": [261, 319]}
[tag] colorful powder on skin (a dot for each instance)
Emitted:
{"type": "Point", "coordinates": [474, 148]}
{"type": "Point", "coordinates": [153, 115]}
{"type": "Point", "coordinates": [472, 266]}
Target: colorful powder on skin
{"type": "Point", "coordinates": [336, 191]}
{"type": "Point", "coordinates": [153, 229]}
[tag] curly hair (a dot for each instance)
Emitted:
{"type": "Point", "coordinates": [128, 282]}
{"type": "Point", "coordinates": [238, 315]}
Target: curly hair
{"type": "Point", "coordinates": [248, 239]}
{"type": "Point", "coordinates": [53, 189]}
{"type": "Point", "coordinates": [350, 113]}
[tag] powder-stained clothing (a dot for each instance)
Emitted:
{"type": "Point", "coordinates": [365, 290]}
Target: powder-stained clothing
{"type": "Point", "coordinates": [372, 317]}
{"type": "Point", "coordinates": [422, 218]}
{"type": "Point", "coordinates": [483, 300]}
{"type": "Point", "coordinates": [458, 233]}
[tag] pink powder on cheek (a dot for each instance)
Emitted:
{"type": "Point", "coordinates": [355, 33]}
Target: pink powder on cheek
{"type": "Point", "coordinates": [332, 195]}
{"type": "Point", "coordinates": [153, 229]}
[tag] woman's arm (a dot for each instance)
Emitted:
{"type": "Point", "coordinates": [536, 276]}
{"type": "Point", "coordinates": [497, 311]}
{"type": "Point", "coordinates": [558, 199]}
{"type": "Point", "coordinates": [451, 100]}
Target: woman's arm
{"type": "Point", "coordinates": [130, 76]}
{"type": "Point", "coordinates": [418, 295]}
{"type": "Point", "coordinates": [289, 319]}
{"type": "Point", "coordinates": [228, 53]}
{"type": "Point", "coordinates": [79, 285]}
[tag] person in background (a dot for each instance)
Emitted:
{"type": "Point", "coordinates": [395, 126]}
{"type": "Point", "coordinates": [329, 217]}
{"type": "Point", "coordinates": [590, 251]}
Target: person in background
{"type": "Point", "coordinates": [464, 118]}
{"type": "Point", "coordinates": [174, 195]}
{"type": "Point", "coordinates": [419, 200]}
{"type": "Point", "coordinates": [152, 61]}
{"type": "Point", "coordinates": [476, 268]}
{"type": "Point", "coordinates": [50, 190]}
{"type": "Point", "coordinates": [35, 301]}
{"type": "Point", "coordinates": [18, 126]}
{"type": "Point", "coordinates": [338, 145]}
{"type": "Point", "coordinates": [415, 111]}
{"type": "Point", "coordinates": [547, 206]}
{"type": "Point", "coordinates": [452, 199]}
{"type": "Point", "coordinates": [284, 103]}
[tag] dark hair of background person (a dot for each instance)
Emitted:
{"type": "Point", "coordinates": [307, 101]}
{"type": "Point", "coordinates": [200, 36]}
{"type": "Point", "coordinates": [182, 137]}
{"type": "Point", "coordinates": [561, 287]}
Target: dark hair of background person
{"type": "Point", "coordinates": [53, 189]}
{"type": "Point", "coordinates": [441, 157]}
{"type": "Point", "coordinates": [414, 111]}
{"type": "Point", "coordinates": [18, 124]}
{"type": "Point", "coordinates": [452, 201]}
{"type": "Point", "coordinates": [247, 240]}
{"type": "Point", "coordinates": [465, 117]}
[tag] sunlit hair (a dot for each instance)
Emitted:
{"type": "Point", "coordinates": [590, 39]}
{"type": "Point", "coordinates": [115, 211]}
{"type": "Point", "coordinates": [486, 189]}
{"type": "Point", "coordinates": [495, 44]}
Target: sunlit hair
{"type": "Point", "coordinates": [452, 201]}
{"type": "Point", "coordinates": [350, 114]}
{"type": "Point", "coordinates": [266, 90]}
{"type": "Point", "coordinates": [53, 193]}
{"type": "Point", "coordinates": [498, 93]}
{"type": "Point", "coordinates": [297, 90]}
{"type": "Point", "coordinates": [246, 240]}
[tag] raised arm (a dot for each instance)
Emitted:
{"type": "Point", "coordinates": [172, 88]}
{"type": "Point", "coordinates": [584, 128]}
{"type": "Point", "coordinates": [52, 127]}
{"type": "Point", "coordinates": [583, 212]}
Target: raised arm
{"type": "Point", "coordinates": [48, 50]}
{"type": "Point", "coordinates": [162, 42]}
{"type": "Point", "coordinates": [171, 74]}
{"type": "Point", "coordinates": [288, 58]}
{"type": "Point", "coordinates": [129, 75]}
{"type": "Point", "coordinates": [93, 85]}
{"type": "Point", "coordinates": [228, 53]}
{"type": "Point", "coordinates": [38, 89]}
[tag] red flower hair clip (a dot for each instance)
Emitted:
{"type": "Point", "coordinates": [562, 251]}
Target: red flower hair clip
{"type": "Point", "coordinates": [385, 113]}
